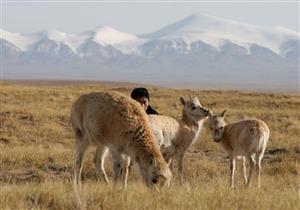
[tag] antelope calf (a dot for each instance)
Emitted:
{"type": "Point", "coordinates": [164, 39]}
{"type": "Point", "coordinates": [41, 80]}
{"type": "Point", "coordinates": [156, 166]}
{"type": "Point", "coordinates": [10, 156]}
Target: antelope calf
{"type": "Point", "coordinates": [242, 139]}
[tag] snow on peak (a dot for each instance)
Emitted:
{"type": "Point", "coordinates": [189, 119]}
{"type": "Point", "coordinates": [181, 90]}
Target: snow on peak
{"type": "Point", "coordinates": [5, 34]}
{"type": "Point", "coordinates": [108, 36]}
{"type": "Point", "coordinates": [17, 39]}
{"type": "Point", "coordinates": [101, 35]}
{"type": "Point", "coordinates": [209, 29]}
{"type": "Point", "coordinates": [58, 37]}
{"type": "Point", "coordinates": [217, 31]}
{"type": "Point", "coordinates": [53, 35]}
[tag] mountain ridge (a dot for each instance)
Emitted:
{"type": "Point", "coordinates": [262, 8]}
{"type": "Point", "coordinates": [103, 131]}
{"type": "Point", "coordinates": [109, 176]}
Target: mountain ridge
{"type": "Point", "coordinates": [198, 46]}
{"type": "Point", "coordinates": [209, 29]}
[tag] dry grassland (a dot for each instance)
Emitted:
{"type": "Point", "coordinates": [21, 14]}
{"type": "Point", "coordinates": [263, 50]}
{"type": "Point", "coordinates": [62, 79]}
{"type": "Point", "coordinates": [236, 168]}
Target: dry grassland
{"type": "Point", "coordinates": [36, 154]}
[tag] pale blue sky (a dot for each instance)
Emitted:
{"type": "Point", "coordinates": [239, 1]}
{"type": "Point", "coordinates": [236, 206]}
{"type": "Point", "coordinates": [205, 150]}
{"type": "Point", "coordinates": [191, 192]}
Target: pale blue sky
{"type": "Point", "coordinates": [137, 18]}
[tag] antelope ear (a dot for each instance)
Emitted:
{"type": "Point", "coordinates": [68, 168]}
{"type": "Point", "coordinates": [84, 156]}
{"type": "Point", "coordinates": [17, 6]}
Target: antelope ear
{"type": "Point", "coordinates": [223, 113]}
{"type": "Point", "coordinates": [182, 101]}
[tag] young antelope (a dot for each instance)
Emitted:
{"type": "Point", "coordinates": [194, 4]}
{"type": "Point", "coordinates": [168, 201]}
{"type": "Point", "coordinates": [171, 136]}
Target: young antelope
{"type": "Point", "coordinates": [243, 139]}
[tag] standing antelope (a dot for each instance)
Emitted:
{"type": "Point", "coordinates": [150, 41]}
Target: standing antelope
{"type": "Point", "coordinates": [242, 139]}
{"type": "Point", "coordinates": [112, 119]}
{"type": "Point", "coordinates": [176, 136]}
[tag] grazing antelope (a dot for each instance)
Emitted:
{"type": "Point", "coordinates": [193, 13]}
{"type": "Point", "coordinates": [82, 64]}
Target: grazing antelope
{"type": "Point", "coordinates": [113, 120]}
{"type": "Point", "coordinates": [243, 139]}
{"type": "Point", "coordinates": [173, 136]}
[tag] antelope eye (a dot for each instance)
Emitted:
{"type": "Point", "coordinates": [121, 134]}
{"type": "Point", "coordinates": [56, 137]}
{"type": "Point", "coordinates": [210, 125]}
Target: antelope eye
{"type": "Point", "coordinates": [193, 107]}
{"type": "Point", "coordinates": [221, 127]}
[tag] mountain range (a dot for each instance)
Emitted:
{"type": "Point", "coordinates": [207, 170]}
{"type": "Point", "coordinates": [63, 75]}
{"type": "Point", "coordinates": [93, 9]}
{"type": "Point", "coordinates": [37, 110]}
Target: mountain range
{"type": "Point", "coordinates": [197, 51]}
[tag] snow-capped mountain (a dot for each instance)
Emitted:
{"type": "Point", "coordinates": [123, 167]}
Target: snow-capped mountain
{"type": "Point", "coordinates": [194, 46]}
{"type": "Point", "coordinates": [216, 32]}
